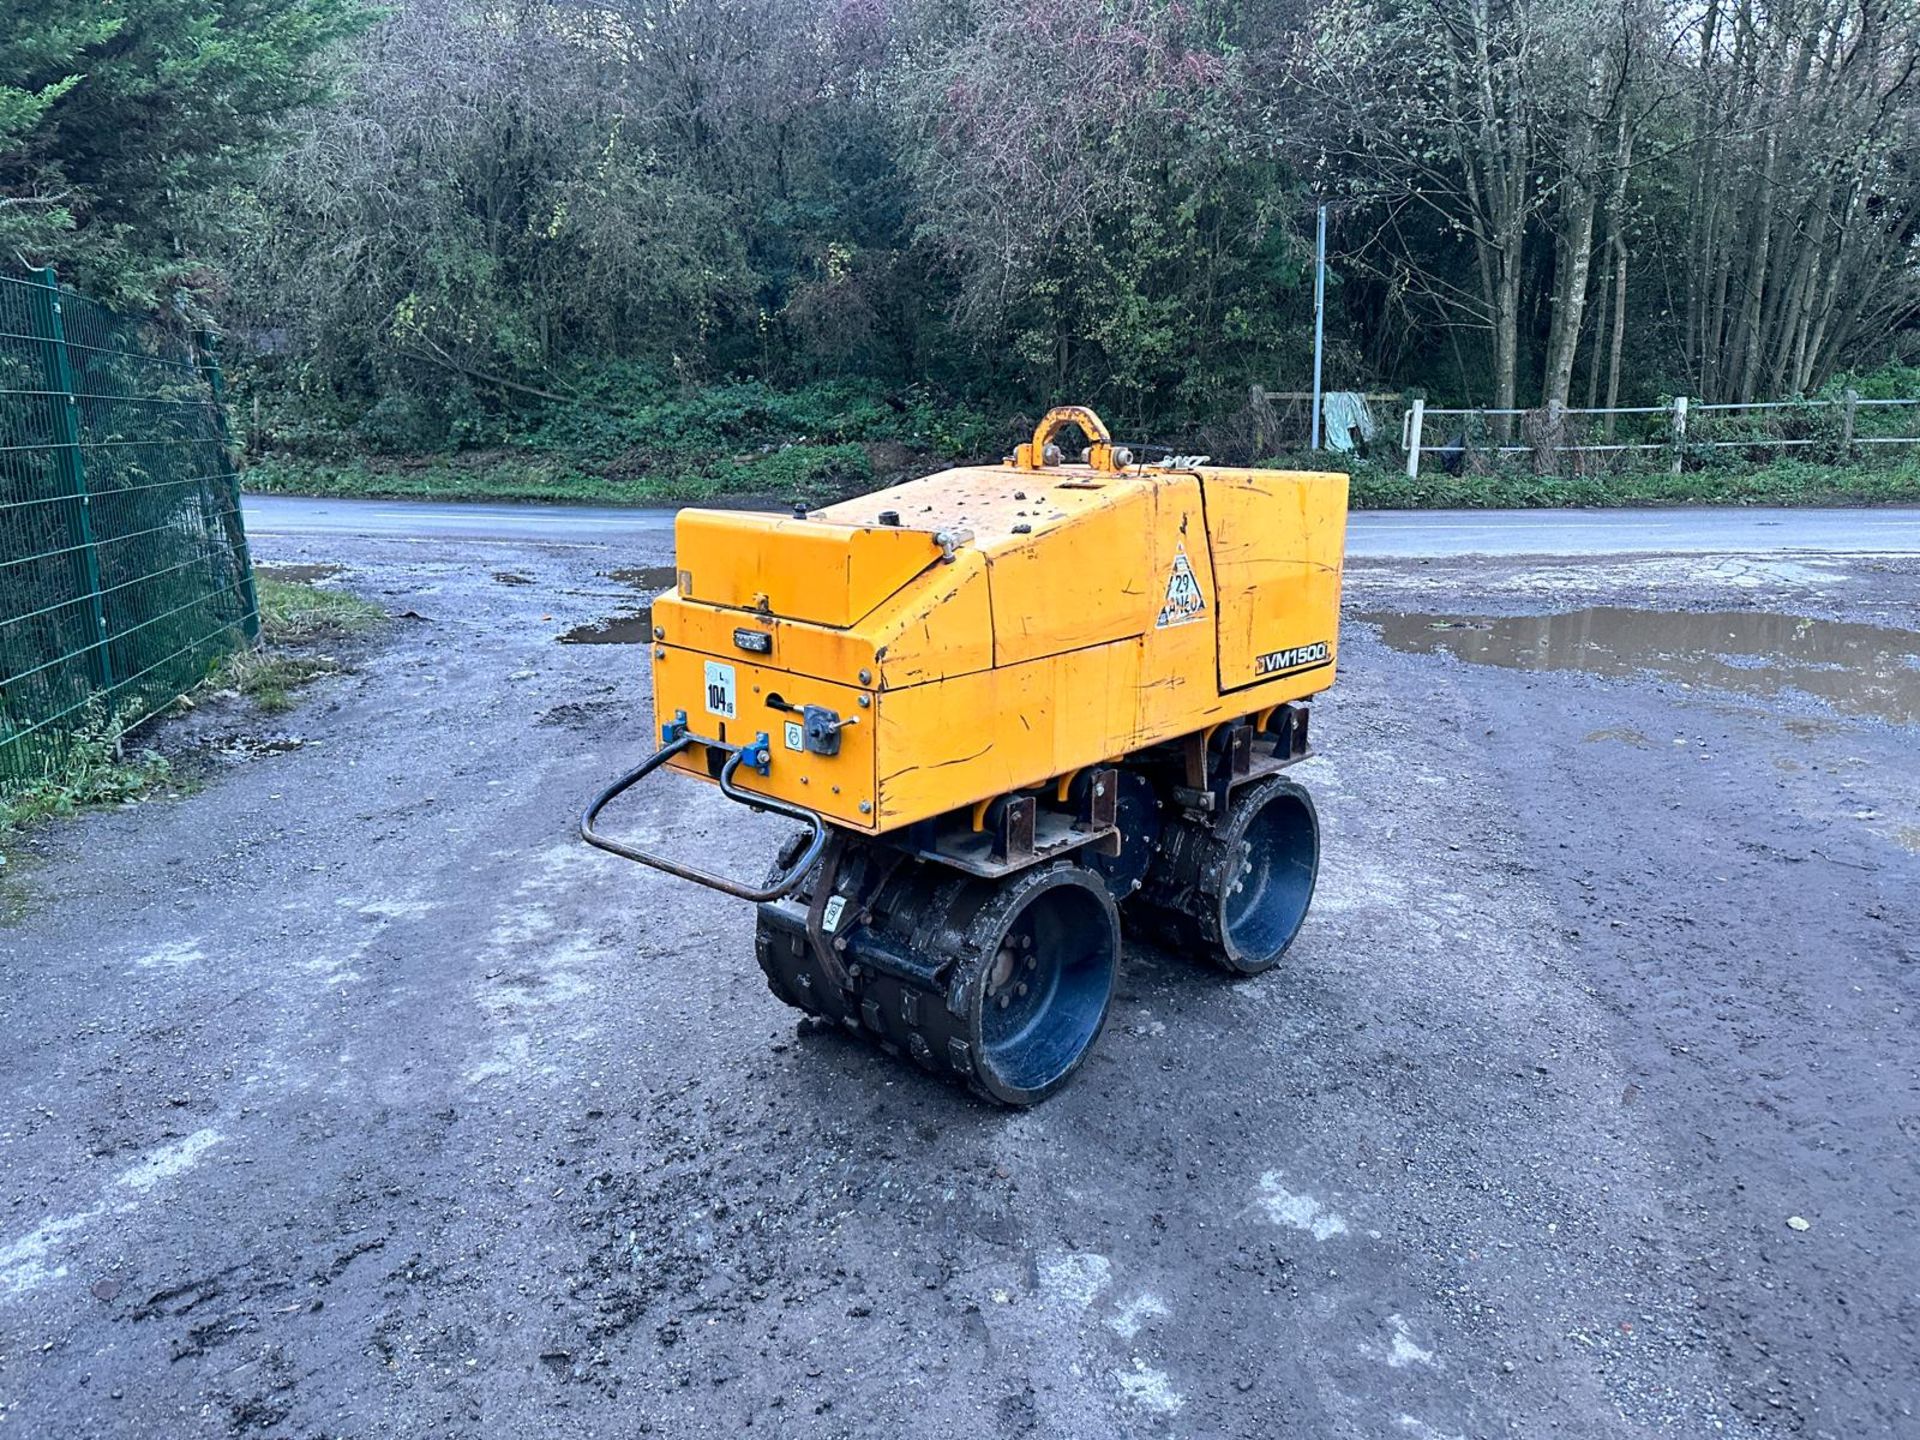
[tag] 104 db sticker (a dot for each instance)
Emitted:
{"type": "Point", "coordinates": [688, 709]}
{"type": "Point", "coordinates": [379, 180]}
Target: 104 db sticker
{"type": "Point", "coordinates": [722, 690]}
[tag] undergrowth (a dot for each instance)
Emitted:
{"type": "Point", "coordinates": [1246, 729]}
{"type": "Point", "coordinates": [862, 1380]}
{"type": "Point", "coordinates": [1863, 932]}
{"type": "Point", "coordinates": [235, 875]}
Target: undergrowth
{"type": "Point", "coordinates": [628, 439]}
{"type": "Point", "coordinates": [295, 621]}
{"type": "Point", "coordinates": [1377, 486]}
{"type": "Point", "coordinates": [749, 442]}
{"type": "Point", "coordinates": [90, 768]}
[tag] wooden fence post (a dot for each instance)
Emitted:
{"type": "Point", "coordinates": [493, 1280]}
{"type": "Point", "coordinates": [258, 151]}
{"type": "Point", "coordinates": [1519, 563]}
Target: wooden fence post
{"type": "Point", "coordinates": [1679, 431]}
{"type": "Point", "coordinates": [1416, 420]}
{"type": "Point", "coordinates": [1852, 404]}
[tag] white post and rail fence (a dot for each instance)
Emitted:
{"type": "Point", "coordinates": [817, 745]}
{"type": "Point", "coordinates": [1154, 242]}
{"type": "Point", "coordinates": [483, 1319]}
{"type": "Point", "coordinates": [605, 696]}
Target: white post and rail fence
{"type": "Point", "coordinates": [1553, 430]}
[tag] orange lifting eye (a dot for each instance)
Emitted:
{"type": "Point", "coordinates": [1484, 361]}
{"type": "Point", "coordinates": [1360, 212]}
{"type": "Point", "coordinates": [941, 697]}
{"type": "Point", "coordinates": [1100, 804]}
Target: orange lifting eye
{"type": "Point", "coordinates": [1040, 453]}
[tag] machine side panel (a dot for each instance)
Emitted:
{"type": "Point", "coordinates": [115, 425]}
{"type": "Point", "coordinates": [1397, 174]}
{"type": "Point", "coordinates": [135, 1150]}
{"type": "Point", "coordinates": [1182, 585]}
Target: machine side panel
{"type": "Point", "coordinates": [941, 625]}
{"type": "Point", "coordinates": [1177, 637]}
{"type": "Point", "coordinates": [1076, 584]}
{"type": "Point", "coordinates": [800, 569]}
{"type": "Point", "coordinates": [955, 742]}
{"type": "Point", "coordinates": [938, 625]}
{"type": "Point", "coordinates": [835, 785]}
{"type": "Point", "coordinates": [1278, 539]}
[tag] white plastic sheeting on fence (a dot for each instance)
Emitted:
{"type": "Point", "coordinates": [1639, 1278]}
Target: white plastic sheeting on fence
{"type": "Point", "coordinates": [1347, 416]}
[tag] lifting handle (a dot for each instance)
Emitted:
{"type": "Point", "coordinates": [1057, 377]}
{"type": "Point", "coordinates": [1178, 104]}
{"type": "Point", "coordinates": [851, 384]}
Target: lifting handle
{"type": "Point", "coordinates": [1100, 455]}
{"type": "Point", "coordinates": [783, 884]}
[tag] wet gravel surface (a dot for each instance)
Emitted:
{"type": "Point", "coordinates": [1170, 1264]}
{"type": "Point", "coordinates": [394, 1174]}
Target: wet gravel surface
{"type": "Point", "coordinates": [349, 1095]}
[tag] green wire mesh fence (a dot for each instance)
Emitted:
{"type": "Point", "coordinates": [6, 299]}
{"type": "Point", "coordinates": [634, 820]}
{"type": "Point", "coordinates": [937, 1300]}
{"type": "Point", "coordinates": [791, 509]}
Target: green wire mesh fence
{"type": "Point", "coordinates": [124, 573]}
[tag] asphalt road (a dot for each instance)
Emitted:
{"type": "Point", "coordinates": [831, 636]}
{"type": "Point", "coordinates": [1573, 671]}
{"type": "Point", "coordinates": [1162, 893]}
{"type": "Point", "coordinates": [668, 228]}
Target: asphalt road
{"type": "Point", "coordinates": [347, 1095]}
{"type": "Point", "coordinates": [1408, 534]}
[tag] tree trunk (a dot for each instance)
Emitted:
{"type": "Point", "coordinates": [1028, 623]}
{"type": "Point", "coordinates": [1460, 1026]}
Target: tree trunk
{"type": "Point", "coordinates": [1596, 352]}
{"type": "Point", "coordinates": [1619, 324]}
{"type": "Point", "coordinates": [1505, 150]}
{"type": "Point", "coordinates": [1760, 243]}
{"type": "Point", "coordinates": [1574, 251]}
{"type": "Point", "coordinates": [1699, 219]}
{"type": "Point", "coordinates": [1617, 258]}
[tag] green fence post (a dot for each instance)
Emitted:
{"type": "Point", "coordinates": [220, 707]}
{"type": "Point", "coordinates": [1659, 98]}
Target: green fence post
{"type": "Point", "coordinates": [236, 527]}
{"type": "Point", "coordinates": [66, 405]}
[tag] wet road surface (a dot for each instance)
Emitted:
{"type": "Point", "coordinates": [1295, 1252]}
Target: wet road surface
{"type": "Point", "coordinates": [1406, 534]}
{"type": "Point", "coordinates": [349, 1095]}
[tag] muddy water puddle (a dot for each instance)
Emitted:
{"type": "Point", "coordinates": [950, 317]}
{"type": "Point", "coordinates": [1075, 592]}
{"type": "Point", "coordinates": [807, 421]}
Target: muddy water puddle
{"type": "Point", "coordinates": [1857, 669]}
{"type": "Point", "coordinates": [298, 574]}
{"type": "Point", "coordinates": [650, 578]}
{"type": "Point", "coordinates": [633, 627]}
{"type": "Point", "coordinates": [614, 630]}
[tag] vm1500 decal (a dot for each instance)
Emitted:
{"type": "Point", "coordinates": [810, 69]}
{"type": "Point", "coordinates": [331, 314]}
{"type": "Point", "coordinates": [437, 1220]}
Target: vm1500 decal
{"type": "Point", "coordinates": [1299, 657]}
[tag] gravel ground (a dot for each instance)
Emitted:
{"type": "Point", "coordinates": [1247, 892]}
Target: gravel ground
{"type": "Point", "coordinates": [349, 1095]}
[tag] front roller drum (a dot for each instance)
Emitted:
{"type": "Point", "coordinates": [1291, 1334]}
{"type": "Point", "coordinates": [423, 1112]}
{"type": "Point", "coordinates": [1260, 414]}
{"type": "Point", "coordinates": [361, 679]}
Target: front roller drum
{"type": "Point", "coordinates": [1235, 891]}
{"type": "Point", "coordinates": [1003, 984]}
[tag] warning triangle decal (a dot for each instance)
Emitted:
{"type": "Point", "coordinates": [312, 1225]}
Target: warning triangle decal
{"type": "Point", "coordinates": [1184, 600]}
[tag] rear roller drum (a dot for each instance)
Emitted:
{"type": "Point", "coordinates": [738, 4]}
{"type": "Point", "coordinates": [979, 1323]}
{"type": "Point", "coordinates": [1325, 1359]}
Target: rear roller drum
{"type": "Point", "coordinates": [1002, 984]}
{"type": "Point", "coordinates": [1237, 892]}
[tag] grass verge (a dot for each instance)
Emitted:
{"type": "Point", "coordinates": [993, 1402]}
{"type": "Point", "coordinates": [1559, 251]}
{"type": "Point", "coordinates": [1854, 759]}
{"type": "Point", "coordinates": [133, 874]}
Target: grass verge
{"type": "Point", "coordinates": [812, 472]}
{"type": "Point", "coordinates": [296, 622]}
{"type": "Point", "coordinates": [818, 474]}
{"type": "Point", "coordinates": [1779, 482]}
{"type": "Point", "coordinates": [95, 768]}
{"type": "Point", "coordinates": [627, 438]}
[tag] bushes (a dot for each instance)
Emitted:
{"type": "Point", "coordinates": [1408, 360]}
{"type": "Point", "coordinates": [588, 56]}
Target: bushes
{"type": "Point", "coordinates": [88, 768]}
{"type": "Point", "coordinates": [630, 439]}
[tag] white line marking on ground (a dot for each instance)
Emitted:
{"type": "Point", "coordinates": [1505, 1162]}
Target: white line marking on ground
{"type": "Point", "coordinates": [394, 909]}
{"type": "Point", "coordinates": [168, 1161]}
{"type": "Point", "coordinates": [1401, 1351]}
{"type": "Point", "coordinates": [25, 1263]}
{"type": "Point", "coordinates": [1420, 1430]}
{"type": "Point", "coordinates": [172, 955]}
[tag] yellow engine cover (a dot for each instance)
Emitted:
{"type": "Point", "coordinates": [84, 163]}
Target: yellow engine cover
{"type": "Point", "coordinates": [992, 628]}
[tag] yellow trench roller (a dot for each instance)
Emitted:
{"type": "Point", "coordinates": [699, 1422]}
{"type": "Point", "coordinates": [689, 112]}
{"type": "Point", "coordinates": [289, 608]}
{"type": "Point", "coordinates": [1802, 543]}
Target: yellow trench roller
{"type": "Point", "coordinates": [1010, 704]}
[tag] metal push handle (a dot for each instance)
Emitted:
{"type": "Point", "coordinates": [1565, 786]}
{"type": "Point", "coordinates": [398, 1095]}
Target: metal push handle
{"type": "Point", "coordinates": [783, 884]}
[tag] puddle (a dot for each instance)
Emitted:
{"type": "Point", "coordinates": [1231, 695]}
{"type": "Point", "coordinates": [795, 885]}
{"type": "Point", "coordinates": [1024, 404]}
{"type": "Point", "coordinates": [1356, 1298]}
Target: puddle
{"type": "Point", "coordinates": [253, 747]}
{"type": "Point", "coordinates": [651, 578]}
{"type": "Point", "coordinates": [635, 628]}
{"type": "Point", "coordinates": [297, 574]}
{"type": "Point", "coordinates": [614, 630]}
{"type": "Point", "coordinates": [1858, 669]}
{"type": "Point", "coordinates": [1625, 734]}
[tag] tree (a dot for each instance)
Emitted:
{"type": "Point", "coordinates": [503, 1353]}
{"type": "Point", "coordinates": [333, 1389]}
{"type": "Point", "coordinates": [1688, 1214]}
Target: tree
{"type": "Point", "coordinates": [1445, 109]}
{"type": "Point", "coordinates": [1805, 198]}
{"type": "Point", "coordinates": [40, 62]}
{"type": "Point", "coordinates": [1094, 175]}
{"type": "Point", "coordinates": [119, 119]}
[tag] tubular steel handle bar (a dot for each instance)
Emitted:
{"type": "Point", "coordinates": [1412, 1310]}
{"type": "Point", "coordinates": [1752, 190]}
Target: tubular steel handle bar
{"type": "Point", "coordinates": [782, 885]}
